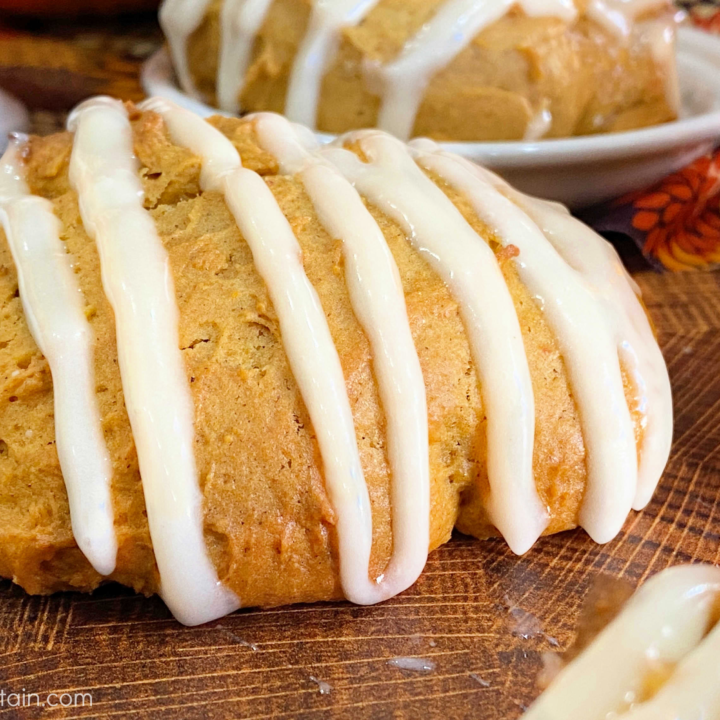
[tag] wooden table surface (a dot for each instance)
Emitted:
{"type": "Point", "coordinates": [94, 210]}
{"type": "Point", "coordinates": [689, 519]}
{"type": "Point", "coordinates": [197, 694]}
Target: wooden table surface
{"type": "Point", "coordinates": [482, 616]}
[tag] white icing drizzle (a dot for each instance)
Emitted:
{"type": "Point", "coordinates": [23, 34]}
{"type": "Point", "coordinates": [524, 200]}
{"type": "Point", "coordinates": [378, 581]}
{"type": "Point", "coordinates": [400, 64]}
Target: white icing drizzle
{"type": "Point", "coordinates": [539, 124]}
{"type": "Point", "coordinates": [179, 20]}
{"type": "Point", "coordinates": [587, 334]}
{"type": "Point", "coordinates": [619, 16]}
{"type": "Point", "coordinates": [316, 51]}
{"type": "Point", "coordinates": [377, 299]}
{"type": "Point", "coordinates": [393, 182]}
{"type": "Point", "coordinates": [664, 624]}
{"type": "Point", "coordinates": [598, 262]}
{"type": "Point", "coordinates": [306, 338]}
{"type": "Point", "coordinates": [659, 35]}
{"type": "Point", "coordinates": [449, 31]}
{"type": "Point", "coordinates": [55, 315]}
{"type": "Point", "coordinates": [240, 22]}
{"type": "Point", "coordinates": [138, 283]}
{"type": "Point", "coordinates": [402, 82]}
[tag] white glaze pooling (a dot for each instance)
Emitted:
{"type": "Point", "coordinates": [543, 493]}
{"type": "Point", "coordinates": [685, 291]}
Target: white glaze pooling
{"type": "Point", "coordinates": [587, 333]}
{"type": "Point", "coordinates": [393, 182]}
{"type": "Point", "coordinates": [664, 625]}
{"type": "Point", "coordinates": [55, 314]}
{"type": "Point", "coordinates": [402, 82]}
{"type": "Point", "coordinates": [138, 283]}
{"type": "Point", "coordinates": [306, 338]}
{"type": "Point", "coordinates": [377, 299]}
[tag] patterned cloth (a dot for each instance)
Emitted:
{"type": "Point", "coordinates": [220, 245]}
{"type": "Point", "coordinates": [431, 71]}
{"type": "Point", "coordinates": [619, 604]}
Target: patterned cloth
{"type": "Point", "coordinates": [704, 13]}
{"type": "Point", "coordinates": [675, 223]}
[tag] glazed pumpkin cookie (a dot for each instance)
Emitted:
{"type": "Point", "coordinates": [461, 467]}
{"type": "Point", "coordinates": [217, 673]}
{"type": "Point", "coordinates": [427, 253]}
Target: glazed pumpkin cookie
{"type": "Point", "coordinates": [446, 69]}
{"type": "Point", "coordinates": [241, 368]}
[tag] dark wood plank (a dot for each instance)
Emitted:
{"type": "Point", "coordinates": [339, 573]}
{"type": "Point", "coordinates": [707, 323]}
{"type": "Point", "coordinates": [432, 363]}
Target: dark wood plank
{"type": "Point", "coordinates": [477, 610]}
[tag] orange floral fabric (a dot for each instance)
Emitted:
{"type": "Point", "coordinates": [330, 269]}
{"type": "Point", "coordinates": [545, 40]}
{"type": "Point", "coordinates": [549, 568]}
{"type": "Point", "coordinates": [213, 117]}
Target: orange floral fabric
{"type": "Point", "coordinates": [704, 13]}
{"type": "Point", "coordinates": [676, 223]}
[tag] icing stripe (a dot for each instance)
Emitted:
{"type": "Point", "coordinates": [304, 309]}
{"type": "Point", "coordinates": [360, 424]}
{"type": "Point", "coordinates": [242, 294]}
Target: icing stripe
{"type": "Point", "coordinates": [55, 315]}
{"type": "Point", "coordinates": [138, 283]}
{"type": "Point", "coordinates": [405, 79]}
{"type": "Point", "coordinates": [658, 35]}
{"type": "Point", "coordinates": [179, 20]}
{"type": "Point", "coordinates": [392, 181]}
{"type": "Point", "coordinates": [240, 22]}
{"type": "Point", "coordinates": [316, 52]}
{"type": "Point", "coordinates": [619, 16]}
{"type": "Point", "coordinates": [662, 625]}
{"type": "Point", "coordinates": [378, 301]}
{"type": "Point", "coordinates": [596, 260]}
{"type": "Point", "coordinates": [587, 338]}
{"type": "Point", "coordinates": [306, 337]}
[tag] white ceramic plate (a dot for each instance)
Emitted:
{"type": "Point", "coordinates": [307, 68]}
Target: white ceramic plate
{"type": "Point", "coordinates": [13, 117]}
{"type": "Point", "coordinates": [577, 171]}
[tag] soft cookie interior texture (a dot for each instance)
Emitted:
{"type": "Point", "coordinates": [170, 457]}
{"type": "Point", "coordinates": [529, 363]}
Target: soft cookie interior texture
{"type": "Point", "coordinates": [461, 70]}
{"type": "Point", "coordinates": [268, 521]}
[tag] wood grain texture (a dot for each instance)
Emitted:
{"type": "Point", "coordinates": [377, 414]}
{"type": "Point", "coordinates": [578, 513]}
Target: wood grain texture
{"type": "Point", "coordinates": [468, 613]}
{"type": "Point", "coordinates": [52, 64]}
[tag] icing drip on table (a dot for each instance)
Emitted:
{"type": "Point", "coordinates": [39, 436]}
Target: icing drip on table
{"type": "Point", "coordinates": [55, 314]}
{"type": "Point", "coordinates": [412, 664]}
{"type": "Point", "coordinates": [664, 627]}
{"type": "Point", "coordinates": [138, 283]}
{"type": "Point", "coordinates": [377, 299]}
{"type": "Point", "coordinates": [587, 297]}
{"type": "Point", "coordinates": [402, 81]}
